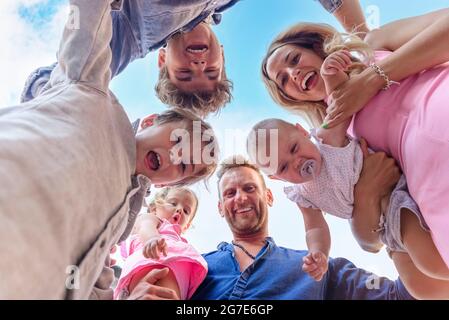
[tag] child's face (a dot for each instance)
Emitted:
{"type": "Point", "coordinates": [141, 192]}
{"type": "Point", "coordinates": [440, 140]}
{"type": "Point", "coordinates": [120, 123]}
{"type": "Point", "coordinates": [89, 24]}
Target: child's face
{"type": "Point", "coordinates": [154, 154]}
{"type": "Point", "coordinates": [296, 72]}
{"type": "Point", "coordinates": [179, 208]}
{"type": "Point", "coordinates": [294, 149]}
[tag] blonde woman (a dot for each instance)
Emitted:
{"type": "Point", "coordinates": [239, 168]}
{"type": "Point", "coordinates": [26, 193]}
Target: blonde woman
{"type": "Point", "coordinates": [403, 120]}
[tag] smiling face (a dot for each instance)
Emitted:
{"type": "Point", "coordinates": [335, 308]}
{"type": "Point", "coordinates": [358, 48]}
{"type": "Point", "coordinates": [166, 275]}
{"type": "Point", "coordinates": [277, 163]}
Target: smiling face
{"type": "Point", "coordinates": [194, 60]}
{"type": "Point", "coordinates": [178, 207]}
{"type": "Point", "coordinates": [244, 201]}
{"type": "Point", "coordinates": [154, 154]}
{"type": "Point", "coordinates": [298, 159]}
{"type": "Point", "coordinates": [296, 71]}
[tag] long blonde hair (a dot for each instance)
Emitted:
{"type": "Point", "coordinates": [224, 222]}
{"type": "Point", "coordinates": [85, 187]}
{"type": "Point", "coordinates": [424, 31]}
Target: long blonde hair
{"type": "Point", "coordinates": [323, 39]}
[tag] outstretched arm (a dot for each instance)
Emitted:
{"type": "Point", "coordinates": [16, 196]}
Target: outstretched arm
{"type": "Point", "coordinates": [333, 73]}
{"type": "Point", "coordinates": [147, 230]}
{"type": "Point", "coordinates": [349, 13]}
{"type": "Point", "coordinates": [84, 55]}
{"type": "Point", "coordinates": [347, 282]}
{"type": "Point", "coordinates": [318, 242]}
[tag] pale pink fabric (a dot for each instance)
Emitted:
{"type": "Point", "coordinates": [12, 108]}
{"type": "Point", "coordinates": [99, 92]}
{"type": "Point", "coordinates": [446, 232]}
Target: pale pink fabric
{"type": "Point", "coordinates": [410, 122]}
{"type": "Point", "coordinates": [333, 190]}
{"type": "Point", "coordinates": [187, 264]}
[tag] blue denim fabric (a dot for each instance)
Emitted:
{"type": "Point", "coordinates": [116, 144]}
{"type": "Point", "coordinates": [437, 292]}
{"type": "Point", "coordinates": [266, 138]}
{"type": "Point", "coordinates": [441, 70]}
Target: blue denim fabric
{"type": "Point", "coordinates": [141, 26]}
{"type": "Point", "coordinates": [276, 274]}
{"type": "Point", "coordinates": [331, 5]}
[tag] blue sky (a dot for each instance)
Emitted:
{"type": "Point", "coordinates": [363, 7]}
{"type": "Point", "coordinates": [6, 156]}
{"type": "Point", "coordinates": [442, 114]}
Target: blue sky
{"type": "Point", "coordinates": [245, 32]}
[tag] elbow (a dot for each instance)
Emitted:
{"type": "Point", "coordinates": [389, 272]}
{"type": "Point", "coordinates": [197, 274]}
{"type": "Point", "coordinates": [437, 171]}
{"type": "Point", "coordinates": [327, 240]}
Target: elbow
{"type": "Point", "coordinates": [374, 39]}
{"type": "Point", "coordinates": [372, 248]}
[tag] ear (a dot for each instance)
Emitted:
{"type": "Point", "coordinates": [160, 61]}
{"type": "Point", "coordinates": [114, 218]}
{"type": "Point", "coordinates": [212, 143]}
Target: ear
{"type": "Point", "coordinates": [270, 197]}
{"type": "Point", "coordinates": [161, 58]}
{"type": "Point", "coordinates": [302, 130]}
{"type": "Point", "coordinates": [220, 209]}
{"type": "Point", "coordinates": [274, 177]}
{"type": "Point", "coordinates": [148, 121]}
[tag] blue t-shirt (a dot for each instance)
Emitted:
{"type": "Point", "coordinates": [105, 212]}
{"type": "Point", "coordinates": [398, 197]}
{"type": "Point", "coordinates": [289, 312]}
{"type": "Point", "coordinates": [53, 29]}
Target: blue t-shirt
{"type": "Point", "coordinates": [276, 274]}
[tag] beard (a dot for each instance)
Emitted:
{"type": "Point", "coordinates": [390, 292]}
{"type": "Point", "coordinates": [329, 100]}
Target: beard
{"type": "Point", "coordinates": [247, 224]}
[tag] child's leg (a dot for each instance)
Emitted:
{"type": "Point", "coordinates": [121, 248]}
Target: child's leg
{"type": "Point", "coordinates": [421, 248]}
{"type": "Point", "coordinates": [168, 282]}
{"type": "Point", "coordinates": [417, 283]}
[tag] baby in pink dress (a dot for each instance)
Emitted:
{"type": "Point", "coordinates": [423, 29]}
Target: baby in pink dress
{"type": "Point", "coordinates": [325, 173]}
{"type": "Point", "coordinates": [157, 243]}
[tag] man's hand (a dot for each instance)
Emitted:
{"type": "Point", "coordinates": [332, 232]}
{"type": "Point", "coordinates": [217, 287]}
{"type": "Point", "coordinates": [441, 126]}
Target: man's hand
{"type": "Point", "coordinates": [315, 264]}
{"type": "Point", "coordinates": [154, 248]}
{"type": "Point", "coordinates": [379, 175]}
{"type": "Point", "coordinates": [147, 290]}
{"type": "Point", "coordinates": [112, 261]}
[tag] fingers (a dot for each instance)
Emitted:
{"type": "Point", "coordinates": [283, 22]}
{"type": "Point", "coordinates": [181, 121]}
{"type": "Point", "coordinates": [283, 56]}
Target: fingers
{"type": "Point", "coordinates": [162, 247]}
{"type": "Point", "coordinates": [154, 248]}
{"type": "Point", "coordinates": [155, 275]}
{"type": "Point", "coordinates": [339, 60]}
{"type": "Point", "coordinates": [161, 293]}
{"type": "Point", "coordinates": [309, 267]}
{"type": "Point", "coordinates": [330, 122]}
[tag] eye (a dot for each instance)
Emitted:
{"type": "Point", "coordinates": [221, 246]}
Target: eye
{"type": "Point", "coordinates": [284, 80]}
{"type": "Point", "coordinates": [295, 60]}
{"type": "Point", "coordinates": [183, 167]}
{"type": "Point", "coordinates": [294, 148]}
{"type": "Point", "coordinates": [250, 188]}
{"type": "Point", "coordinates": [229, 194]}
{"type": "Point", "coordinates": [283, 168]}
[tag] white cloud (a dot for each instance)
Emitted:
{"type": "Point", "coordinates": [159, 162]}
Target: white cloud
{"type": "Point", "coordinates": [25, 45]}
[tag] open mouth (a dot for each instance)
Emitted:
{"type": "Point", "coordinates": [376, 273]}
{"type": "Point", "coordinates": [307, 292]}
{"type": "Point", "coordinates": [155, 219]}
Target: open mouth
{"type": "Point", "coordinates": [309, 80]}
{"type": "Point", "coordinates": [153, 160]}
{"type": "Point", "coordinates": [197, 48]}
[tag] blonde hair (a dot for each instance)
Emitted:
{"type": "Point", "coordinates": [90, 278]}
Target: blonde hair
{"type": "Point", "coordinates": [200, 102]}
{"type": "Point", "coordinates": [160, 198]}
{"type": "Point", "coordinates": [180, 115]}
{"type": "Point", "coordinates": [323, 39]}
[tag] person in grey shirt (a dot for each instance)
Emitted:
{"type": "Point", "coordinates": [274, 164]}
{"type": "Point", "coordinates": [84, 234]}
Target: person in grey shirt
{"type": "Point", "coordinates": [73, 172]}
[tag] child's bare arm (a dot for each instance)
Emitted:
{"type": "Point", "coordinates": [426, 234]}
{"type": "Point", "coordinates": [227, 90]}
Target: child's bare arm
{"type": "Point", "coordinates": [148, 234]}
{"type": "Point", "coordinates": [318, 242]}
{"type": "Point", "coordinates": [147, 227]}
{"type": "Point", "coordinates": [333, 74]}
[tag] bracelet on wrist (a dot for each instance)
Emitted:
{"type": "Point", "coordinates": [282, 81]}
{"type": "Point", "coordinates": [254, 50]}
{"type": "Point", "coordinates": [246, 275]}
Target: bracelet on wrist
{"type": "Point", "coordinates": [381, 72]}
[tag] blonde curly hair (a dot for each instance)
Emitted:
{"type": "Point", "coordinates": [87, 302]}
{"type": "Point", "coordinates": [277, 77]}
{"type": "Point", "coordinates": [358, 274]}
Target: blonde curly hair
{"type": "Point", "coordinates": [323, 39]}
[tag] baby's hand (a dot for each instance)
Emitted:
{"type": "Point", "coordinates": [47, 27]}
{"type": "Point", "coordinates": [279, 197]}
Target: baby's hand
{"type": "Point", "coordinates": [337, 61]}
{"type": "Point", "coordinates": [315, 264]}
{"type": "Point", "coordinates": [154, 248]}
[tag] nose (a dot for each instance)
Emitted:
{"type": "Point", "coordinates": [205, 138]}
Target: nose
{"type": "Point", "coordinates": [294, 73]}
{"type": "Point", "coordinates": [240, 196]}
{"type": "Point", "coordinates": [199, 64]}
{"type": "Point", "coordinates": [297, 163]}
